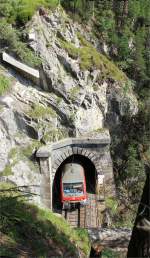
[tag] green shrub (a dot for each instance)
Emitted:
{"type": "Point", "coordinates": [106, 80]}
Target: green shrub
{"type": "Point", "coordinates": [8, 35]}
{"type": "Point", "coordinates": [90, 59]}
{"type": "Point", "coordinates": [55, 134]}
{"type": "Point", "coordinates": [21, 11]}
{"type": "Point", "coordinates": [10, 38]}
{"type": "Point", "coordinates": [112, 204]}
{"type": "Point", "coordinates": [7, 171]}
{"type": "Point", "coordinates": [74, 91]}
{"type": "Point", "coordinates": [35, 230]}
{"type": "Point", "coordinates": [41, 112]}
{"type": "Point", "coordinates": [82, 40]}
{"type": "Point", "coordinates": [26, 55]}
{"type": "Point", "coordinates": [83, 235]}
{"type": "Point", "coordinates": [4, 84]}
{"type": "Point", "coordinates": [109, 253]}
{"type": "Point", "coordinates": [26, 9]}
{"type": "Point", "coordinates": [70, 48]}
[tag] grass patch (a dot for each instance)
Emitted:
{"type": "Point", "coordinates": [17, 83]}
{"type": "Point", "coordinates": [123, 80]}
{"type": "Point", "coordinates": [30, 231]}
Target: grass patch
{"type": "Point", "coordinates": [121, 216]}
{"type": "Point", "coordinates": [127, 88]}
{"type": "Point", "coordinates": [1, 108]}
{"type": "Point", "coordinates": [37, 232]}
{"type": "Point", "coordinates": [112, 204]}
{"type": "Point", "coordinates": [73, 52]}
{"type": "Point", "coordinates": [27, 151]}
{"type": "Point", "coordinates": [82, 40]}
{"type": "Point", "coordinates": [55, 135]}
{"type": "Point", "coordinates": [24, 154]}
{"type": "Point", "coordinates": [90, 59]}
{"type": "Point", "coordinates": [4, 84]}
{"type": "Point", "coordinates": [109, 253]}
{"type": "Point", "coordinates": [13, 153]}
{"type": "Point", "coordinates": [7, 171]}
{"type": "Point", "coordinates": [83, 235]}
{"type": "Point", "coordinates": [74, 91]}
{"type": "Point", "coordinates": [41, 112]}
{"type": "Point", "coordinates": [21, 11]}
{"type": "Point", "coordinates": [95, 87]}
{"type": "Point", "coordinates": [58, 100]}
{"type": "Point", "coordinates": [12, 39]}
{"type": "Point", "coordinates": [100, 130]}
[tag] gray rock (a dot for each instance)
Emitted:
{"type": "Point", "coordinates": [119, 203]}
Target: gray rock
{"type": "Point", "coordinates": [76, 103]}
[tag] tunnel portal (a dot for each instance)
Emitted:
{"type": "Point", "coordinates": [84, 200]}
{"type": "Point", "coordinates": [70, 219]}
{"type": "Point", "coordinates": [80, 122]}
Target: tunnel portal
{"type": "Point", "coordinates": [94, 156]}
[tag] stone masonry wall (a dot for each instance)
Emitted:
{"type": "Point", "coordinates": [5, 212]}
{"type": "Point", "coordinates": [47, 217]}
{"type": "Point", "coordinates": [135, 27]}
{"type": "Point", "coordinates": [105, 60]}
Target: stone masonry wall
{"type": "Point", "coordinates": [51, 157]}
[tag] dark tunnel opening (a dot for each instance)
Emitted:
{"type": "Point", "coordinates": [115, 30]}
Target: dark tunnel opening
{"type": "Point", "coordinates": [90, 176]}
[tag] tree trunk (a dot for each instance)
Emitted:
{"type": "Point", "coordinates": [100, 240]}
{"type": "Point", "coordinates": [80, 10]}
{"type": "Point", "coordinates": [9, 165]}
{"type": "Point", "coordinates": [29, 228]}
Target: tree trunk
{"type": "Point", "coordinates": [125, 8]}
{"type": "Point", "coordinates": [139, 245]}
{"type": "Point", "coordinates": [124, 12]}
{"type": "Point", "coordinates": [93, 10]}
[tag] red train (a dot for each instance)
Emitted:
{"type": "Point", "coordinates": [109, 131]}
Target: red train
{"type": "Point", "coordinates": [73, 184]}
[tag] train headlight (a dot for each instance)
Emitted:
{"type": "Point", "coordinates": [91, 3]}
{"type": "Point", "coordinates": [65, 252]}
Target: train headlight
{"type": "Point", "coordinates": [84, 202]}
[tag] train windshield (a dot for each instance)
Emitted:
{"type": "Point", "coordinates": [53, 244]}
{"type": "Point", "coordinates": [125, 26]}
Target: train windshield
{"type": "Point", "coordinates": [72, 180]}
{"type": "Point", "coordinates": [73, 189]}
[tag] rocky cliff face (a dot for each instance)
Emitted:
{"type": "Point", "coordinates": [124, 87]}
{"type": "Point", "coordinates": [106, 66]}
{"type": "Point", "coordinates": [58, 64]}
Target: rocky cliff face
{"type": "Point", "coordinates": [82, 93]}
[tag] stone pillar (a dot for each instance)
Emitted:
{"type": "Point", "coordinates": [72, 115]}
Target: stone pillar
{"type": "Point", "coordinates": [46, 182]}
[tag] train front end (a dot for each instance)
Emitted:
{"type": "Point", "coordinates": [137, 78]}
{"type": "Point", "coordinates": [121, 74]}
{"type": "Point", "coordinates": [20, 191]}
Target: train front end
{"type": "Point", "coordinates": [73, 185]}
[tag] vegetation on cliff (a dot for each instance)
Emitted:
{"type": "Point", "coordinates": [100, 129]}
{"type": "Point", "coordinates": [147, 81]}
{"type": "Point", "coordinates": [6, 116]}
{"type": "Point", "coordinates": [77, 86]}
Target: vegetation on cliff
{"type": "Point", "coordinates": [123, 26]}
{"type": "Point", "coordinates": [122, 31]}
{"type": "Point", "coordinates": [91, 59]}
{"type": "Point", "coordinates": [4, 84]}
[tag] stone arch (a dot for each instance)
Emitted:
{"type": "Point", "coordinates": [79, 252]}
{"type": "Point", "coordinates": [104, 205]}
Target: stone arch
{"type": "Point", "coordinates": [89, 168]}
{"type": "Point", "coordinates": [61, 157]}
{"type": "Point", "coordinates": [96, 150]}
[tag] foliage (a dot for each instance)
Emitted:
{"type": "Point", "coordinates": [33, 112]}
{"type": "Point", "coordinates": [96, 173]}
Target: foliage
{"type": "Point", "coordinates": [105, 21]}
{"type": "Point", "coordinates": [29, 150]}
{"type": "Point", "coordinates": [7, 171]}
{"type": "Point", "coordinates": [39, 111]}
{"type": "Point", "coordinates": [112, 204]}
{"type": "Point", "coordinates": [71, 49]}
{"type": "Point", "coordinates": [128, 87]}
{"type": "Point", "coordinates": [25, 153]}
{"type": "Point", "coordinates": [74, 91]}
{"type": "Point", "coordinates": [4, 84]}
{"type": "Point", "coordinates": [10, 38]}
{"type": "Point", "coordinates": [54, 134]}
{"type": "Point", "coordinates": [83, 235]}
{"type": "Point", "coordinates": [21, 11]}
{"type": "Point", "coordinates": [126, 33]}
{"type": "Point", "coordinates": [123, 26]}
{"type": "Point", "coordinates": [90, 59]}
{"type": "Point", "coordinates": [109, 253]}
{"type": "Point", "coordinates": [36, 231]}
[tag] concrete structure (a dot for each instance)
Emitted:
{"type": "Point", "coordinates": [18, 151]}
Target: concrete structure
{"type": "Point", "coordinates": [95, 152]}
{"type": "Point", "coordinates": [27, 71]}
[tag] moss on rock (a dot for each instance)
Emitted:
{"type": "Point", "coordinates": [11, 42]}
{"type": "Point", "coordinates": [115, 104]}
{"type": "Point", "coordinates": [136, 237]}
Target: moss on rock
{"type": "Point", "coordinates": [39, 111]}
{"type": "Point", "coordinates": [74, 91]}
{"type": "Point", "coordinates": [55, 134]}
{"type": "Point", "coordinates": [90, 59]}
{"type": "Point", "coordinates": [7, 171]}
{"type": "Point", "coordinates": [4, 84]}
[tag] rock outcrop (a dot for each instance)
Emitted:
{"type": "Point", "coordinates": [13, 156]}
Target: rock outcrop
{"type": "Point", "coordinates": [81, 93]}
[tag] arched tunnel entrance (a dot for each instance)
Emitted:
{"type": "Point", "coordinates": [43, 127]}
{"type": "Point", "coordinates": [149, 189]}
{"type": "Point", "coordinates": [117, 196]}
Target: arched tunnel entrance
{"type": "Point", "coordinates": [94, 156]}
{"type": "Point", "coordinates": [79, 216]}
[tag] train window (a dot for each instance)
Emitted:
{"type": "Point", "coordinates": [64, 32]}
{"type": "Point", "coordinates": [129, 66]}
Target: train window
{"type": "Point", "coordinates": [73, 189]}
